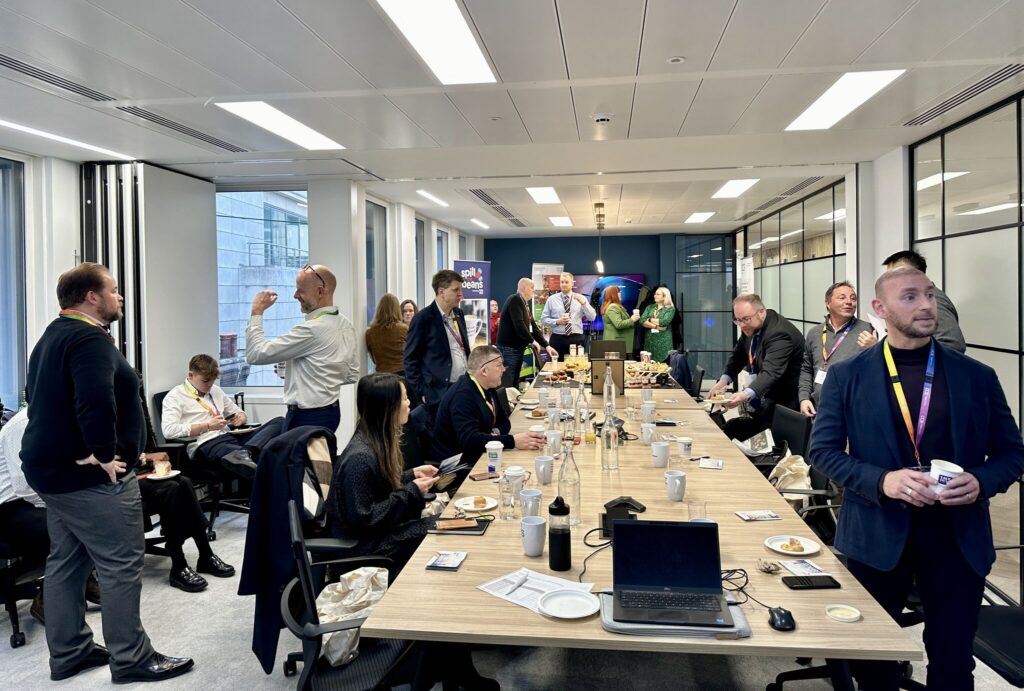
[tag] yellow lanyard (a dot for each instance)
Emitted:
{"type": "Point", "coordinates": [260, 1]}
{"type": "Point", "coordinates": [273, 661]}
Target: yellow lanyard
{"type": "Point", "coordinates": [194, 393]}
{"type": "Point", "coordinates": [901, 399]}
{"type": "Point", "coordinates": [490, 406]}
{"type": "Point", "coordinates": [82, 317]}
{"type": "Point", "coordinates": [333, 314]}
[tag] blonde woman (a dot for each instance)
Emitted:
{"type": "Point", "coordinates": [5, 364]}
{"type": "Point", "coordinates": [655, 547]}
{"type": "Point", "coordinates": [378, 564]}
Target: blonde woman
{"type": "Point", "coordinates": [385, 339]}
{"type": "Point", "coordinates": [657, 323]}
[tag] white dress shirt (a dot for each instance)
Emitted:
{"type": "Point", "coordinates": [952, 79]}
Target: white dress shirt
{"type": "Point", "coordinates": [12, 480]}
{"type": "Point", "coordinates": [554, 309]}
{"type": "Point", "coordinates": [320, 356]}
{"type": "Point", "coordinates": [458, 354]}
{"type": "Point", "coordinates": [182, 410]}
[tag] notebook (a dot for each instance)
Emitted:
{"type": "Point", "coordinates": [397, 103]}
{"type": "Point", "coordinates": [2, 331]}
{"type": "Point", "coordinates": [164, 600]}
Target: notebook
{"type": "Point", "coordinates": [668, 572]}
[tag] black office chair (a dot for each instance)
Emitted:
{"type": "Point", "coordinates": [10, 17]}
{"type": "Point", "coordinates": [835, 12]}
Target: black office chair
{"type": "Point", "coordinates": [20, 579]}
{"type": "Point", "coordinates": [695, 385]}
{"type": "Point", "coordinates": [793, 427]}
{"type": "Point", "coordinates": [381, 663]}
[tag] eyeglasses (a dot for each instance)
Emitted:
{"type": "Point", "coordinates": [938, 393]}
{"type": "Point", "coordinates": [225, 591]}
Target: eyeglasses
{"type": "Point", "coordinates": [493, 359]}
{"type": "Point", "coordinates": [309, 267]}
{"type": "Point", "coordinates": [743, 321]}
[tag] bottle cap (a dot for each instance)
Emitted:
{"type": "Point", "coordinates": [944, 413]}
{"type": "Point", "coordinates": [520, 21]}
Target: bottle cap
{"type": "Point", "coordinates": [558, 507]}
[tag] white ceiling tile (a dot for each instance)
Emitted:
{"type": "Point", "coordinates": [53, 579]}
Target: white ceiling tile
{"type": "Point", "coordinates": [843, 30]}
{"type": "Point", "coordinates": [781, 100]}
{"type": "Point", "coordinates": [439, 117]}
{"type": "Point", "coordinates": [601, 37]}
{"type": "Point", "coordinates": [507, 27]}
{"type": "Point", "coordinates": [547, 114]}
{"type": "Point", "coordinates": [1001, 33]}
{"type": "Point", "coordinates": [659, 109]}
{"type": "Point", "coordinates": [380, 116]}
{"type": "Point", "coordinates": [616, 100]}
{"type": "Point", "coordinates": [926, 29]}
{"type": "Point", "coordinates": [761, 33]}
{"type": "Point", "coordinates": [270, 29]}
{"type": "Point", "coordinates": [689, 29]}
{"type": "Point", "coordinates": [481, 108]}
{"type": "Point", "coordinates": [719, 104]}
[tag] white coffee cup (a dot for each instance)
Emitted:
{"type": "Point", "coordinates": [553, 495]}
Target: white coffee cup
{"type": "Point", "coordinates": [943, 472]}
{"type": "Point", "coordinates": [539, 429]}
{"type": "Point", "coordinates": [544, 466]}
{"type": "Point", "coordinates": [542, 397]}
{"type": "Point", "coordinates": [519, 476]}
{"type": "Point", "coordinates": [685, 445]}
{"type": "Point", "coordinates": [660, 453]}
{"type": "Point", "coordinates": [647, 410]}
{"type": "Point", "coordinates": [529, 502]}
{"type": "Point", "coordinates": [494, 449]}
{"type": "Point", "coordinates": [647, 433]}
{"type": "Point", "coordinates": [636, 313]}
{"type": "Point", "coordinates": [533, 529]}
{"type": "Point", "coordinates": [645, 356]}
{"type": "Point", "coordinates": [675, 484]}
{"type": "Point", "coordinates": [554, 437]}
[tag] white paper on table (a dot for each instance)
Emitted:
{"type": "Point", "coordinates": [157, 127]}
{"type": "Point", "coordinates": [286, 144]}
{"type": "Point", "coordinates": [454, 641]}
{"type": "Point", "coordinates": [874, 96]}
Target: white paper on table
{"type": "Point", "coordinates": [528, 594]}
{"type": "Point", "coordinates": [802, 567]}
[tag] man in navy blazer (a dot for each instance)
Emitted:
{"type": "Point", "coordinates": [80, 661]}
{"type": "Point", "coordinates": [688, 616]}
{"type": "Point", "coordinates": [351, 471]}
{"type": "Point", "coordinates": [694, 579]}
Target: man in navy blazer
{"type": "Point", "coordinates": [470, 414]}
{"type": "Point", "coordinates": [437, 345]}
{"type": "Point", "coordinates": [894, 527]}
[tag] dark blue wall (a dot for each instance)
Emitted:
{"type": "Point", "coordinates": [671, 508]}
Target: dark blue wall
{"type": "Point", "coordinates": [511, 259]}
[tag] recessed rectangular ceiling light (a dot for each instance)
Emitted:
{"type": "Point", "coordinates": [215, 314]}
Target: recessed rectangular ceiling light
{"type": "Point", "coordinates": [842, 98]}
{"type": "Point", "coordinates": [734, 188]}
{"type": "Point", "coordinates": [437, 31]}
{"type": "Point", "coordinates": [837, 215]}
{"type": "Point", "coordinates": [989, 209]}
{"type": "Point", "coordinates": [544, 195]}
{"type": "Point", "coordinates": [428, 195]}
{"type": "Point", "coordinates": [65, 140]}
{"type": "Point", "coordinates": [699, 217]}
{"type": "Point", "coordinates": [560, 221]}
{"type": "Point", "coordinates": [478, 223]}
{"type": "Point", "coordinates": [268, 117]}
{"type": "Point", "coordinates": [933, 180]}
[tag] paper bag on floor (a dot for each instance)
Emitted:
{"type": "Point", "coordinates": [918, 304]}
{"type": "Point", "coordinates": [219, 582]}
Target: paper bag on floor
{"type": "Point", "coordinates": [352, 597]}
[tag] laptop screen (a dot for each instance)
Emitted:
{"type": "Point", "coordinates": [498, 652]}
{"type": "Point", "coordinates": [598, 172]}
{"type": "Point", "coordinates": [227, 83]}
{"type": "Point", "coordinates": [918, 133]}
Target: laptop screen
{"type": "Point", "coordinates": [666, 554]}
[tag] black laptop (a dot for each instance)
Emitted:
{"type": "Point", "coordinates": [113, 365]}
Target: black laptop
{"type": "Point", "coordinates": [668, 572]}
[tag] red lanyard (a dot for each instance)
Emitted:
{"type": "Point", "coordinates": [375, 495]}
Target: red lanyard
{"type": "Point", "coordinates": [453, 332]}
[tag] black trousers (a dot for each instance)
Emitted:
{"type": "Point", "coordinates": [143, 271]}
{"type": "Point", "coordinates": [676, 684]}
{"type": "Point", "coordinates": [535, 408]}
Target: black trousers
{"type": "Point", "coordinates": [24, 527]}
{"type": "Point", "coordinates": [561, 343]}
{"type": "Point", "coordinates": [950, 592]}
{"type": "Point", "coordinates": [217, 448]}
{"type": "Point", "coordinates": [181, 517]}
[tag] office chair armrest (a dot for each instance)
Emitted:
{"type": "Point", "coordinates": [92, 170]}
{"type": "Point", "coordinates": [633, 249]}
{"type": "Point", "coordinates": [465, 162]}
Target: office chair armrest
{"type": "Point", "coordinates": [322, 545]}
{"type": "Point", "coordinates": [1009, 547]}
{"type": "Point", "coordinates": [809, 492]}
{"type": "Point", "coordinates": [316, 630]}
{"type": "Point", "coordinates": [809, 509]}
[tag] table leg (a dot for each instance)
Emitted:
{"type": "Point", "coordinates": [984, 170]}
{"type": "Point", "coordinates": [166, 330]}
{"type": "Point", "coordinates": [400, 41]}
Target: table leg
{"type": "Point", "coordinates": [839, 672]}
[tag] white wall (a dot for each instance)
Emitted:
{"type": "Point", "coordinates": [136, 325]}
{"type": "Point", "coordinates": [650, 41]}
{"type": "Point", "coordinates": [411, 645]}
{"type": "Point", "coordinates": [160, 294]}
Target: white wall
{"type": "Point", "coordinates": [179, 274]}
{"type": "Point", "coordinates": [884, 213]}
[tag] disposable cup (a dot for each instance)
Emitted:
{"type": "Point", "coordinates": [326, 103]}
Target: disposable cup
{"type": "Point", "coordinates": [943, 472]}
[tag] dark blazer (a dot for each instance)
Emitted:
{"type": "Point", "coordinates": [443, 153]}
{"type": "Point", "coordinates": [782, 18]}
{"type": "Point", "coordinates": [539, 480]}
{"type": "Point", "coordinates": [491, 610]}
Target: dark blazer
{"type": "Point", "coordinates": [427, 358]}
{"type": "Point", "coordinates": [517, 328]}
{"type": "Point", "coordinates": [268, 564]}
{"type": "Point", "coordinates": [464, 422]}
{"type": "Point", "coordinates": [986, 442]}
{"type": "Point", "coordinates": [780, 353]}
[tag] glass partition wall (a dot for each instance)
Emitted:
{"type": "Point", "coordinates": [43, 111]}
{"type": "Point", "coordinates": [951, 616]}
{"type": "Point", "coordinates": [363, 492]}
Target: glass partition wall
{"type": "Point", "coordinates": [13, 347]}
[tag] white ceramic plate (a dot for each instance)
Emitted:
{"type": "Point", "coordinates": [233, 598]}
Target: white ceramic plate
{"type": "Point", "coordinates": [466, 504]}
{"type": "Point", "coordinates": [529, 401]}
{"type": "Point", "coordinates": [568, 604]}
{"type": "Point", "coordinates": [847, 614]}
{"type": "Point", "coordinates": [807, 546]}
{"type": "Point", "coordinates": [173, 473]}
{"type": "Point", "coordinates": [527, 406]}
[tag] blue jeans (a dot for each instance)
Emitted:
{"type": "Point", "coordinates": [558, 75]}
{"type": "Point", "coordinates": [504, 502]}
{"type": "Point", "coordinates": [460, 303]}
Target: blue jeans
{"type": "Point", "coordinates": [513, 358]}
{"type": "Point", "coordinates": [329, 417]}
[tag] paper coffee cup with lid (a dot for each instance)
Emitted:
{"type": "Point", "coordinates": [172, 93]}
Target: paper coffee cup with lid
{"type": "Point", "coordinates": [943, 472]}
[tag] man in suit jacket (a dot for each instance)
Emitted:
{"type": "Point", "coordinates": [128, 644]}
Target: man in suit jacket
{"type": "Point", "coordinates": [517, 330]}
{"type": "Point", "coordinates": [437, 346]}
{"type": "Point", "coordinates": [771, 351]}
{"type": "Point", "coordinates": [897, 407]}
{"type": "Point", "coordinates": [470, 414]}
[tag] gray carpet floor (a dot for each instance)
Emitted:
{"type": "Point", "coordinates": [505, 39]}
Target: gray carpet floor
{"type": "Point", "coordinates": [215, 628]}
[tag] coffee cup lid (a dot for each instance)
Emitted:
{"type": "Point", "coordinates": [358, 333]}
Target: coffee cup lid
{"type": "Point", "coordinates": [494, 445]}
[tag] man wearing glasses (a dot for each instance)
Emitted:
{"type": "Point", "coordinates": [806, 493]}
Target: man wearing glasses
{"type": "Point", "coordinates": [470, 414]}
{"type": "Point", "coordinates": [319, 355]}
{"type": "Point", "coordinates": [769, 355]}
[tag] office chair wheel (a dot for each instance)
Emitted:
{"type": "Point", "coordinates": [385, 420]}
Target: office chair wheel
{"type": "Point", "coordinates": [290, 668]}
{"type": "Point", "coordinates": [906, 670]}
{"type": "Point", "coordinates": [211, 535]}
{"type": "Point", "coordinates": [18, 639]}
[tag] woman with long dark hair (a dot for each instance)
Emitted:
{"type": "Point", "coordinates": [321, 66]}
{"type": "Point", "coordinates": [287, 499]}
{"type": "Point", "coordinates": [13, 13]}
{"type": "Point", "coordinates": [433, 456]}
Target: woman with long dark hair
{"type": "Point", "coordinates": [618, 325]}
{"type": "Point", "coordinates": [371, 500]}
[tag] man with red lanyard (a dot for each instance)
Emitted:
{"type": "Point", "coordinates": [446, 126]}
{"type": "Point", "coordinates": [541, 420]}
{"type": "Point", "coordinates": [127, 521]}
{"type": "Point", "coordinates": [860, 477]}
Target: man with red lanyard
{"type": "Point", "coordinates": [884, 416]}
{"type": "Point", "coordinates": [838, 338]}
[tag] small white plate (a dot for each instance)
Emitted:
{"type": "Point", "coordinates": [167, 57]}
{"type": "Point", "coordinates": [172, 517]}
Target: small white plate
{"type": "Point", "coordinates": [568, 604]}
{"type": "Point", "coordinates": [527, 406]}
{"type": "Point", "coordinates": [529, 401]}
{"type": "Point", "coordinates": [154, 476]}
{"type": "Point", "coordinates": [807, 546]}
{"type": "Point", "coordinates": [847, 614]}
{"type": "Point", "coordinates": [466, 504]}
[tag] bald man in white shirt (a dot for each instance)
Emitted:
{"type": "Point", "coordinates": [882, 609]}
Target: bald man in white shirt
{"type": "Point", "coordinates": [319, 355]}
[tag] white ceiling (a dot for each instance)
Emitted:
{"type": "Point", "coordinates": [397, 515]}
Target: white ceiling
{"type": "Point", "coordinates": [677, 132]}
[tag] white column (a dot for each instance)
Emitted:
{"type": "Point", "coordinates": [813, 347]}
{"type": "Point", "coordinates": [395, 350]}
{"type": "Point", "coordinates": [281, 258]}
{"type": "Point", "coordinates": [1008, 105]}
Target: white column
{"type": "Point", "coordinates": [402, 258]}
{"type": "Point", "coordinates": [337, 238]}
{"type": "Point", "coordinates": [884, 213]}
{"type": "Point", "coordinates": [453, 245]}
{"type": "Point", "coordinates": [853, 215]}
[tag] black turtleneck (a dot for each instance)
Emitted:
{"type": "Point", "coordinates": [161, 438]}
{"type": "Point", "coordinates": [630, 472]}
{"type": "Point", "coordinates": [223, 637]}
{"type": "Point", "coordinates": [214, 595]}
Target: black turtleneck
{"type": "Point", "coordinates": [937, 441]}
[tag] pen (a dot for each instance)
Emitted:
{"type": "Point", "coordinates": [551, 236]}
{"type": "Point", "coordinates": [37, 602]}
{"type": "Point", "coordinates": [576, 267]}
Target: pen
{"type": "Point", "coordinates": [519, 582]}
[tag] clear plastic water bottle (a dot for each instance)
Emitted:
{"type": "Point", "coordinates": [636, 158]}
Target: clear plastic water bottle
{"type": "Point", "coordinates": [569, 484]}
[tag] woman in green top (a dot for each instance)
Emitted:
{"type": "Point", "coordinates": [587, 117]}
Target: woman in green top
{"type": "Point", "coordinates": [657, 321]}
{"type": "Point", "coordinates": [618, 325]}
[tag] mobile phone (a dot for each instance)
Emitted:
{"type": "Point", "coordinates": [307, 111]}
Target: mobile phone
{"type": "Point", "coordinates": [810, 582]}
{"type": "Point", "coordinates": [483, 476]}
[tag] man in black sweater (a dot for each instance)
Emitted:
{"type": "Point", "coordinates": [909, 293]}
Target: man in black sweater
{"type": "Point", "coordinates": [80, 384]}
{"type": "Point", "coordinates": [470, 414]}
{"type": "Point", "coordinates": [517, 330]}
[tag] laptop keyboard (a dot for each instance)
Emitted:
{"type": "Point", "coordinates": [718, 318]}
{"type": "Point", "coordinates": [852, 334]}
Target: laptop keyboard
{"type": "Point", "coordinates": [642, 599]}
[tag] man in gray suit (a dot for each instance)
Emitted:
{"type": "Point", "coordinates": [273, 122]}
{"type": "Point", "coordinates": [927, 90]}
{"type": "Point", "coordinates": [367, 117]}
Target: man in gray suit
{"type": "Point", "coordinates": [947, 332]}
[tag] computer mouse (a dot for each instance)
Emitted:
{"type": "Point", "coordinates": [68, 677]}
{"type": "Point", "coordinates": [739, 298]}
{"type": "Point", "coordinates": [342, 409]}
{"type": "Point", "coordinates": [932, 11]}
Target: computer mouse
{"type": "Point", "coordinates": [781, 619]}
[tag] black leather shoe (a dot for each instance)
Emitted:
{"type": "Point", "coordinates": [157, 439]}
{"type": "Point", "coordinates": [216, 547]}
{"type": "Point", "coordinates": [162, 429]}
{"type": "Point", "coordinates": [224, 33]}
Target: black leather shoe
{"type": "Point", "coordinates": [97, 657]}
{"type": "Point", "coordinates": [241, 463]}
{"type": "Point", "coordinates": [37, 610]}
{"type": "Point", "coordinates": [215, 566]}
{"type": "Point", "coordinates": [92, 589]}
{"type": "Point", "coordinates": [157, 668]}
{"type": "Point", "coordinates": [188, 580]}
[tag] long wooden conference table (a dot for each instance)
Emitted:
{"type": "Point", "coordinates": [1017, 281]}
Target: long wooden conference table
{"type": "Point", "coordinates": [409, 609]}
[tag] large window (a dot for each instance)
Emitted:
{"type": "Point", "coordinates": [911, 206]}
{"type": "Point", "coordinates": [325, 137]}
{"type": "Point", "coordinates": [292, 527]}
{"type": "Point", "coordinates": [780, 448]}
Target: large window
{"type": "Point", "coordinates": [262, 242]}
{"type": "Point", "coordinates": [704, 292]}
{"type": "Point", "coordinates": [376, 256]}
{"type": "Point", "coordinates": [420, 258]}
{"type": "Point", "coordinates": [442, 249]}
{"type": "Point", "coordinates": [13, 353]}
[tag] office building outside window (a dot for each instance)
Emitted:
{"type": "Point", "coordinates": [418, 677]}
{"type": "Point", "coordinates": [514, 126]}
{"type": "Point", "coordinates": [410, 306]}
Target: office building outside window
{"type": "Point", "coordinates": [13, 348]}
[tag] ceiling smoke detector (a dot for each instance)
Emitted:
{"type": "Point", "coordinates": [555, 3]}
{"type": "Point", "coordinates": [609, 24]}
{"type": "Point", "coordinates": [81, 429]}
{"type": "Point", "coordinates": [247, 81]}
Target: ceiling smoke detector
{"type": "Point", "coordinates": [676, 60]}
{"type": "Point", "coordinates": [602, 118]}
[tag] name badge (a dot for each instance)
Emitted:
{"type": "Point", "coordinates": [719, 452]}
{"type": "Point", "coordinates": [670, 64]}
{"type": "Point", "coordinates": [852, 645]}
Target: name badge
{"type": "Point", "coordinates": [654, 331]}
{"type": "Point", "coordinates": [819, 378]}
